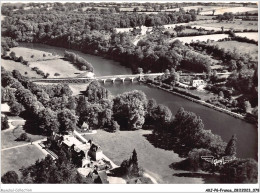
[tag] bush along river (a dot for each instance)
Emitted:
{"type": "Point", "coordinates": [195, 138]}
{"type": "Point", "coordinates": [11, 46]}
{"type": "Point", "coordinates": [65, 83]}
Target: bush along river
{"type": "Point", "coordinates": [220, 123]}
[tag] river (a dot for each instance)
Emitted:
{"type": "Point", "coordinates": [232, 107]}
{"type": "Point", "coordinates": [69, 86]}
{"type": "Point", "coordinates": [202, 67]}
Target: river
{"type": "Point", "coordinates": [220, 123]}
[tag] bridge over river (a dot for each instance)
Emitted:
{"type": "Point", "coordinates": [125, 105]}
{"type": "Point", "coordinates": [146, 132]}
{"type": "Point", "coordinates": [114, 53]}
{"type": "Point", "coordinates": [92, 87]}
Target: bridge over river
{"type": "Point", "coordinates": [113, 78]}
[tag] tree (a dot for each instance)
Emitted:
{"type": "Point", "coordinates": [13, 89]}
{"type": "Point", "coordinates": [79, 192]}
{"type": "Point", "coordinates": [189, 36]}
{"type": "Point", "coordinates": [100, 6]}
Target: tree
{"type": "Point", "coordinates": [20, 59]}
{"type": "Point", "coordinates": [48, 121]}
{"type": "Point", "coordinates": [4, 122]}
{"type": "Point", "coordinates": [113, 126]}
{"type": "Point", "coordinates": [10, 177]}
{"type": "Point", "coordinates": [189, 128]}
{"type": "Point", "coordinates": [231, 149]}
{"type": "Point", "coordinates": [67, 120]}
{"type": "Point", "coordinates": [240, 171]}
{"type": "Point", "coordinates": [92, 115]}
{"type": "Point", "coordinates": [136, 9]}
{"type": "Point", "coordinates": [12, 55]}
{"type": "Point", "coordinates": [46, 75]}
{"type": "Point", "coordinates": [16, 108]}
{"type": "Point", "coordinates": [179, 28]}
{"type": "Point", "coordinates": [7, 94]}
{"type": "Point", "coordinates": [161, 115]}
{"type": "Point", "coordinates": [24, 137]}
{"type": "Point", "coordinates": [95, 92]}
{"type": "Point", "coordinates": [195, 161]}
{"type": "Point", "coordinates": [60, 171]}
{"type": "Point", "coordinates": [130, 167]}
{"type": "Point", "coordinates": [72, 103]}
{"type": "Point", "coordinates": [129, 109]}
{"type": "Point", "coordinates": [213, 11]}
{"type": "Point", "coordinates": [232, 65]}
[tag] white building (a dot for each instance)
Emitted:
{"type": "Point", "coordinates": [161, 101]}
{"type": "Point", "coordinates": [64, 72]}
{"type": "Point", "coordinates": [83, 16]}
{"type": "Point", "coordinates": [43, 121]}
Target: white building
{"type": "Point", "coordinates": [197, 82]}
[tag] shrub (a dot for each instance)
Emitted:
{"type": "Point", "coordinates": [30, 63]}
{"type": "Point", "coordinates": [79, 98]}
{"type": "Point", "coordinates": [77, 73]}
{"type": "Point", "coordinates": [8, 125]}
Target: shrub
{"type": "Point", "coordinates": [56, 74]}
{"type": "Point", "coordinates": [10, 177]}
{"type": "Point", "coordinates": [4, 123]}
{"type": "Point", "coordinates": [240, 171]}
{"type": "Point", "coordinates": [32, 56]}
{"type": "Point", "coordinates": [24, 137]}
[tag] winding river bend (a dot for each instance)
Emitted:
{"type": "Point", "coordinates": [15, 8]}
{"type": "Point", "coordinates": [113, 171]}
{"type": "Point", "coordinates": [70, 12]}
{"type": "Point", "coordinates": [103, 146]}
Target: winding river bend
{"type": "Point", "coordinates": [220, 123]}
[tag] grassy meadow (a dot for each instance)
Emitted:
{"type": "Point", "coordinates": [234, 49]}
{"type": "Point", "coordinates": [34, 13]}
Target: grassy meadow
{"type": "Point", "coordinates": [156, 161]}
{"type": "Point", "coordinates": [32, 55]}
{"type": "Point", "coordinates": [64, 68]}
{"type": "Point", "coordinates": [11, 65]}
{"type": "Point", "coordinates": [236, 25]}
{"type": "Point", "coordinates": [15, 159]}
{"type": "Point", "coordinates": [8, 137]}
{"type": "Point", "coordinates": [241, 47]}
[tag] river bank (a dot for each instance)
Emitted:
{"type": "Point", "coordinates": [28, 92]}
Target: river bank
{"type": "Point", "coordinates": [220, 123]}
{"type": "Point", "coordinates": [233, 114]}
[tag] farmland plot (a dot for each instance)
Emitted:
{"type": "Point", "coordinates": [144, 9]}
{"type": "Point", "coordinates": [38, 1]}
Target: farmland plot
{"type": "Point", "coordinates": [189, 39]}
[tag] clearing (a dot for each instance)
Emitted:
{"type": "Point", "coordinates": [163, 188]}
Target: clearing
{"type": "Point", "coordinates": [32, 55]}
{"type": "Point", "coordinates": [119, 146]}
{"type": "Point", "coordinates": [208, 10]}
{"type": "Point", "coordinates": [11, 65]}
{"type": "Point", "coordinates": [15, 159]}
{"type": "Point", "coordinates": [9, 136]}
{"type": "Point", "coordinates": [190, 39]}
{"type": "Point", "coordinates": [64, 68]}
{"type": "Point", "coordinates": [221, 10]}
{"type": "Point", "coordinates": [241, 47]}
{"type": "Point", "coordinates": [249, 35]}
{"type": "Point", "coordinates": [236, 25]}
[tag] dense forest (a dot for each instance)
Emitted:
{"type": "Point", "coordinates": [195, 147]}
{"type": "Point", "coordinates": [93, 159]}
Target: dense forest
{"type": "Point", "coordinates": [93, 32]}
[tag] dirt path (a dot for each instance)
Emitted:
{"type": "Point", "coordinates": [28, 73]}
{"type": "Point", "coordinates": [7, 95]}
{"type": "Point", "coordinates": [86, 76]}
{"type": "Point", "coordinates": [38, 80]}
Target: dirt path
{"type": "Point", "coordinates": [31, 143]}
{"type": "Point", "coordinates": [16, 146]}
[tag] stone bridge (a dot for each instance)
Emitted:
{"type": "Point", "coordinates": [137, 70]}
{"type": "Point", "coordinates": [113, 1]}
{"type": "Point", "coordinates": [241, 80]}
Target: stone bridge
{"type": "Point", "coordinates": [130, 77]}
{"type": "Point", "coordinates": [111, 78]}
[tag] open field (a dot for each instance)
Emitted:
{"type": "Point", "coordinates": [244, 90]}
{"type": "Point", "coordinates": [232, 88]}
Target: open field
{"type": "Point", "coordinates": [11, 65]}
{"type": "Point", "coordinates": [15, 159]}
{"type": "Point", "coordinates": [189, 39]}
{"type": "Point", "coordinates": [64, 68]}
{"type": "Point", "coordinates": [241, 47]}
{"type": "Point", "coordinates": [27, 54]}
{"type": "Point", "coordinates": [221, 10]}
{"type": "Point", "coordinates": [208, 10]}
{"type": "Point", "coordinates": [8, 137]}
{"type": "Point", "coordinates": [119, 146]}
{"type": "Point", "coordinates": [249, 35]}
{"type": "Point", "coordinates": [237, 25]}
